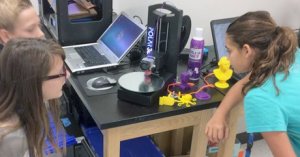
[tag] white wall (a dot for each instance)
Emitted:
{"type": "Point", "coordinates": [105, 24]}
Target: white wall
{"type": "Point", "coordinates": [285, 12]}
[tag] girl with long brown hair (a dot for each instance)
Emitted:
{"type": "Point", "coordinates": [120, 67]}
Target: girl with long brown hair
{"type": "Point", "coordinates": [32, 74]}
{"type": "Point", "coordinates": [256, 44]}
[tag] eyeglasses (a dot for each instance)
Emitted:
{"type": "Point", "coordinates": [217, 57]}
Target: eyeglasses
{"type": "Point", "coordinates": [64, 74]}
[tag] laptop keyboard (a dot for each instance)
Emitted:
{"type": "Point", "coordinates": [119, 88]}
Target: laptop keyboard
{"type": "Point", "coordinates": [91, 56]}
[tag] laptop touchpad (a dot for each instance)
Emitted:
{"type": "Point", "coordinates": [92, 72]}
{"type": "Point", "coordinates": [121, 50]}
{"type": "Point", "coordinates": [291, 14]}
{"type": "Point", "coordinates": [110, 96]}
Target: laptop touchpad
{"type": "Point", "coordinates": [74, 56]}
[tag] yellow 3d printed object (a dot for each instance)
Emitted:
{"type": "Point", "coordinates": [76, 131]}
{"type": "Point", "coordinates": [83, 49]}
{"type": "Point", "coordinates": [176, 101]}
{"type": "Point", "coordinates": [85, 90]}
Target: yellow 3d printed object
{"type": "Point", "coordinates": [186, 99]}
{"type": "Point", "coordinates": [223, 73]}
{"type": "Point", "coordinates": [166, 100]}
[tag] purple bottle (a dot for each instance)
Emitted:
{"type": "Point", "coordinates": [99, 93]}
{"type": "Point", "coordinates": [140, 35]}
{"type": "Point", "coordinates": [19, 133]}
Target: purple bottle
{"type": "Point", "coordinates": [196, 55]}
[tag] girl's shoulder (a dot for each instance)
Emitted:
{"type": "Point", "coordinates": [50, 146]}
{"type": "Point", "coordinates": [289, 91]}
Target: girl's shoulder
{"type": "Point", "coordinates": [9, 125]}
{"type": "Point", "coordinates": [13, 143]}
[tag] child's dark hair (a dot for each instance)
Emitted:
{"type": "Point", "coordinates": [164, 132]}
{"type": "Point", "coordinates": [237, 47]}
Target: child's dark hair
{"type": "Point", "coordinates": [275, 46]}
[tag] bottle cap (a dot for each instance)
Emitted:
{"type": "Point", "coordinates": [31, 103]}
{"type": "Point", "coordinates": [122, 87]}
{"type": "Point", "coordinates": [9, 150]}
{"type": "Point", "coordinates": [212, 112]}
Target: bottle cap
{"type": "Point", "coordinates": [199, 33]}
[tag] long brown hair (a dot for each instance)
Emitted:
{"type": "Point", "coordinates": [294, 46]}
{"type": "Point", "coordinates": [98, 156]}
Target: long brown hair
{"type": "Point", "coordinates": [274, 46]}
{"type": "Point", "coordinates": [24, 63]}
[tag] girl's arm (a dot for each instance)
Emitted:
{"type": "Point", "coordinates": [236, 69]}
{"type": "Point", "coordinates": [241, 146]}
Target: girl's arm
{"type": "Point", "coordinates": [279, 144]}
{"type": "Point", "coordinates": [216, 128]}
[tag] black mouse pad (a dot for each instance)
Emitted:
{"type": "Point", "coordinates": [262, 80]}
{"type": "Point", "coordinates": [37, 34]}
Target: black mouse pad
{"type": "Point", "coordinates": [114, 74]}
{"type": "Point", "coordinates": [83, 82]}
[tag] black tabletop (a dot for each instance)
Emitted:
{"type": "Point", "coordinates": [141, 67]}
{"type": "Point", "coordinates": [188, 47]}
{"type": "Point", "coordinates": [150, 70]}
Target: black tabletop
{"type": "Point", "coordinates": [108, 111]}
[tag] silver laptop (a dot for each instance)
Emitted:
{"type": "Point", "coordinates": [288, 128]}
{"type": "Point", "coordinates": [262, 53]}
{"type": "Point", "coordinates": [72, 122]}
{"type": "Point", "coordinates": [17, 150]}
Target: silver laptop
{"type": "Point", "coordinates": [218, 30]}
{"type": "Point", "coordinates": [110, 48]}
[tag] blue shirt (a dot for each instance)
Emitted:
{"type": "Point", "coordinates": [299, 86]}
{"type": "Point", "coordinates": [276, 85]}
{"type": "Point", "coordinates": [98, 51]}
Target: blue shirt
{"type": "Point", "coordinates": [265, 111]}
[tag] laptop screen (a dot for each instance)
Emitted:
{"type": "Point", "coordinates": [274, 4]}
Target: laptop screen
{"type": "Point", "coordinates": [121, 35]}
{"type": "Point", "coordinates": [218, 29]}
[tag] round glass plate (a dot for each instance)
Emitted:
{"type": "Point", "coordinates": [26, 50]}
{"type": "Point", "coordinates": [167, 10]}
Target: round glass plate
{"type": "Point", "coordinates": [138, 82]}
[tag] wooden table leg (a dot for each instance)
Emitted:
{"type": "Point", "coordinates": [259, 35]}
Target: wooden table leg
{"type": "Point", "coordinates": [177, 141]}
{"type": "Point", "coordinates": [111, 142]}
{"type": "Point", "coordinates": [199, 139]}
{"type": "Point", "coordinates": [226, 147]}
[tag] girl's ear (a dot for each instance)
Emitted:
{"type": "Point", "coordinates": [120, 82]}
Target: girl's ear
{"type": "Point", "coordinates": [248, 51]}
{"type": "Point", "coordinates": [4, 36]}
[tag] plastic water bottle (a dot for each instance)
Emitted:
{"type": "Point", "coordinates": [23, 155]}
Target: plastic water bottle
{"type": "Point", "coordinates": [196, 55]}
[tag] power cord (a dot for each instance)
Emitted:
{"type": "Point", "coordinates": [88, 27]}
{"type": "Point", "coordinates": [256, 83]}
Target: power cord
{"type": "Point", "coordinates": [212, 63]}
{"type": "Point", "coordinates": [137, 52]}
{"type": "Point", "coordinates": [139, 18]}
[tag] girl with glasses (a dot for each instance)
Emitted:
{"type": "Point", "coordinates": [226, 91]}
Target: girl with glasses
{"type": "Point", "coordinates": [32, 75]}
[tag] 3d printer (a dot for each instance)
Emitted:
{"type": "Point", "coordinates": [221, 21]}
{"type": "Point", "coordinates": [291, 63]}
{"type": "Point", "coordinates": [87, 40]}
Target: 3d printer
{"type": "Point", "coordinates": [164, 43]}
{"type": "Point", "coordinates": [74, 22]}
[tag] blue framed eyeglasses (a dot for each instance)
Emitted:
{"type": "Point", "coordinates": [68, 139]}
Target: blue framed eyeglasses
{"type": "Point", "coordinates": [64, 74]}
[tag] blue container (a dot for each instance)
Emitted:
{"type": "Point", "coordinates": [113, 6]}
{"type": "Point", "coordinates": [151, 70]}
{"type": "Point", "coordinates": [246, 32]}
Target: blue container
{"type": "Point", "coordinates": [59, 136]}
{"type": "Point", "coordinates": [137, 147]}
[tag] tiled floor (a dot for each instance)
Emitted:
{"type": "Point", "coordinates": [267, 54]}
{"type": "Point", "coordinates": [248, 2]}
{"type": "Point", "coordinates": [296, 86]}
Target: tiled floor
{"type": "Point", "coordinates": [260, 149]}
